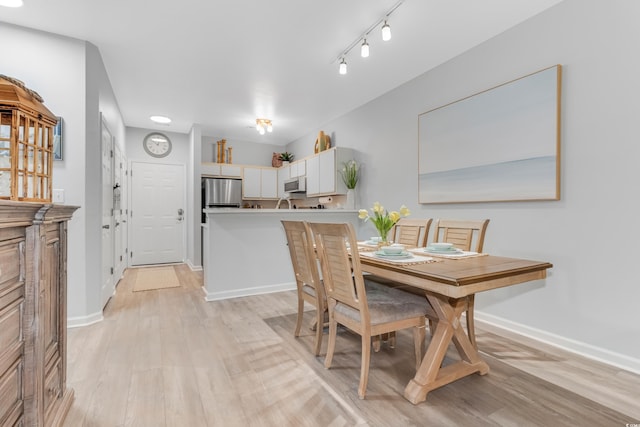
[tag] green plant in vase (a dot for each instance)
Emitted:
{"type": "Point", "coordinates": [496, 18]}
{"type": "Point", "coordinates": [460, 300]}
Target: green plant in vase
{"type": "Point", "coordinates": [383, 220]}
{"type": "Point", "coordinates": [350, 174]}
{"type": "Point", "coordinates": [286, 157]}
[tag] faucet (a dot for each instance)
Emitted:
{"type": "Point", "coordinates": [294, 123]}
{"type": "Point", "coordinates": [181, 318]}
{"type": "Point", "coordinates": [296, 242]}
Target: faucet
{"type": "Point", "coordinates": [280, 201]}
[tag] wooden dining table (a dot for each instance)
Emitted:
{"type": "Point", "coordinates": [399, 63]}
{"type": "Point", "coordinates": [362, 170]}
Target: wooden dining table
{"type": "Point", "coordinates": [446, 284]}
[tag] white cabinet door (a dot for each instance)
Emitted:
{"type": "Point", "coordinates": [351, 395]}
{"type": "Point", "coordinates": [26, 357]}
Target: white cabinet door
{"type": "Point", "coordinates": [283, 175]}
{"type": "Point", "coordinates": [230, 170]}
{"type": "Point", "coordinates": [210, 169]}
{"type": "Point", "coordinates": [327, 170]}
{"type": "Point", "coordinates": [251, 183]}
{"type": "Point", "coordinates": [269, 189]}
{"type": "Point", "coordinates": [313, 175]}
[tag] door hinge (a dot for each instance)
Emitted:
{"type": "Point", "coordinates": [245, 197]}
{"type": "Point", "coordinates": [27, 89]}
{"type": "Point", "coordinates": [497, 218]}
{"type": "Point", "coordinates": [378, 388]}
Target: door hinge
{"type": "Point", "coordinates": [120, 257]}
{"type": "Point", "coordinates": [112, 270]}
{"type": "Point", "coordinates": [131, 255]}
{"type": "Point", "coordinates": [111, 153]}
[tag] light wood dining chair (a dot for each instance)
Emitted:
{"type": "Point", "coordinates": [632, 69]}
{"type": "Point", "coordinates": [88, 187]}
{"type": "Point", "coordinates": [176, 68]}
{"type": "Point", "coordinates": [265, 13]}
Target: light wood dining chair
{"type": "Point", "coordinates": [467, 235]}
{"type": "Point", "coordinates": [308, 283]}
{"type": "Point", "coordinates": [412, 232]}
{"type": "Point", "coordinates": [367, 311]}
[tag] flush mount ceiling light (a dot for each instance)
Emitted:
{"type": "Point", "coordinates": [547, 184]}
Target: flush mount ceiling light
{"type": "Point", "coordinates": [160, 120]}
{"type": "Point", "coordinates": [263, 125]}
{"type": "Point", "coordinates": [11, 3]}
{"type": "Point", "coordinates": [364, 48]}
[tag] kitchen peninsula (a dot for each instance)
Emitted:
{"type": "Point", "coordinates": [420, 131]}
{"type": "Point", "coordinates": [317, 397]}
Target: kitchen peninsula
{"type": "Point", "coordinates": [244, 251]}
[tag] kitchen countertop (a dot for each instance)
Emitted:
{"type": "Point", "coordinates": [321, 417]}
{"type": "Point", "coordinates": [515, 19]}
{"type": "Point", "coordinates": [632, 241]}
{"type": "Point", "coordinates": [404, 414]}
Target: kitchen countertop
{"type": "Point", "coordinates": [279, 211]}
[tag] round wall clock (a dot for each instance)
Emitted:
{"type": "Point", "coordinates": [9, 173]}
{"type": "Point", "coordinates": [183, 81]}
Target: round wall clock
{"type": "Point", "coordinates": [157, 145]}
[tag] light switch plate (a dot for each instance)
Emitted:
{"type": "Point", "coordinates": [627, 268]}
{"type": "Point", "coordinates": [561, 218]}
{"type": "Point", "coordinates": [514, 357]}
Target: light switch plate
{"type": "Point", "coordinates": [58, 196]}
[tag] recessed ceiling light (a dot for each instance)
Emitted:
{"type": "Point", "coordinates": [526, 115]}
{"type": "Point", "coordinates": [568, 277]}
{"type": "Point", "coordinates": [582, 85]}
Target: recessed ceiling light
{"type": "Point", "coordinates": [11, 3]}
{"type": "Point", "coordinates": [161, 119]}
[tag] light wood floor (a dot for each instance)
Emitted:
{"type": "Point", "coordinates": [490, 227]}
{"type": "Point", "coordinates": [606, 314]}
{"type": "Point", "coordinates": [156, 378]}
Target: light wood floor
{"type": "Point", "coordinates": [168, 358]}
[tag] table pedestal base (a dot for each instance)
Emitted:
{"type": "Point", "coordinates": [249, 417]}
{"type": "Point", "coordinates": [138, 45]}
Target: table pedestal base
{"type": "Point", "coordinates": [431, 374]}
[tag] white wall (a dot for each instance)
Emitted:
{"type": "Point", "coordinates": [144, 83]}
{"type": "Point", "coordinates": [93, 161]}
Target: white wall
{"type": "Point", "coordinates": [588, 303]}
{"type": "Point", "coordinates": [70, 76]}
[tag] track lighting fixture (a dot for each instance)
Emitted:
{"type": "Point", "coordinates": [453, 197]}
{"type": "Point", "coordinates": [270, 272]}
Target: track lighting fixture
{"type": "Point", "coordinates": [364, 47]}
{"type": "Point", "coordinates": [343, 67]}
{"type": "Point", "coordinates": [386, 32]}
{"type": "Point", "coordinates": [263, 125]}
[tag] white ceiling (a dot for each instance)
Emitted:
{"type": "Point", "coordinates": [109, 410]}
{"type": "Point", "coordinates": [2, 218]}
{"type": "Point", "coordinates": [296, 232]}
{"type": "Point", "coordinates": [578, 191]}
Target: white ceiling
{"type": "Point", "coordinates": [223, 63]}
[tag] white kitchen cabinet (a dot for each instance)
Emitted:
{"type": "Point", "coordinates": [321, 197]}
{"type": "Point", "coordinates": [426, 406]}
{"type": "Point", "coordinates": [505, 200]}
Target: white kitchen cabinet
{"type": "Point", "coordinates": [297, 169]}
{"type": "Point", "coordinates": [283, 175]}
{"type": "Point", "coordinates": [259, 183]}
{"type": "Point", "coordinates": [221, 169]}
{"type": "Point", "coordinates": [323, 172]}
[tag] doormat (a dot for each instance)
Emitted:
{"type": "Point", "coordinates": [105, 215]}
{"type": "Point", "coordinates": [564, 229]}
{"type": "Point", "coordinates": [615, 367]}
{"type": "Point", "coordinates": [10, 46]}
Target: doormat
{"type": "Point", "coordinates": [150, 278]}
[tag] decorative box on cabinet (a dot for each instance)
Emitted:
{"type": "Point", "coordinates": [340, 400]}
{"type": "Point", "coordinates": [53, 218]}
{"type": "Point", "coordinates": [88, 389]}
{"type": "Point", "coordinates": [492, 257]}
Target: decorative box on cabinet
{"type": "Point", "coordinates": [33, 315]}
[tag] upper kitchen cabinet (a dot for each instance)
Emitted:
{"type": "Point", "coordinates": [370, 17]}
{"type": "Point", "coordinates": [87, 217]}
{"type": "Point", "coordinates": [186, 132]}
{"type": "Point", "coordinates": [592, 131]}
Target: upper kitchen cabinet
{"type": "Point", "coordinates": [259, 183]}
{"type": "Point", "coordinates": [221, 169]}
{"type": "Point", "coordinates": [297, 169]}
{"type": "Point", "coordinates": [323, 172]}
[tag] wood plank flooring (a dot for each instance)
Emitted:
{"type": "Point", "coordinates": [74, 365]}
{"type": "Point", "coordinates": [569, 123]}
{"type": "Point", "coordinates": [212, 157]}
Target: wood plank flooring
{"type": "Point", "coordinates": [168, 358]}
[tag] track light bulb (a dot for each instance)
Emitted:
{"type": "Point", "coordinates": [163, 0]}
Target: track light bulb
{"type": "Point", "coordinates": [386, 32]}
{"type": "Point", "coordinates": [343, 67]}
{"type": "Point", "coordinates": [364, 49]}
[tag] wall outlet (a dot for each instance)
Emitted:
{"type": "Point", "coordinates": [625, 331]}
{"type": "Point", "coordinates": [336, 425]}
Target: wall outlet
{"type": "Point", "coordinates": [58, 196]}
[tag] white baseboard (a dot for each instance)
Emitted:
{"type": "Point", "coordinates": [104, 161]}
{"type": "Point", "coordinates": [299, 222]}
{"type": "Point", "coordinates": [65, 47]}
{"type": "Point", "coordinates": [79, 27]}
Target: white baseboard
{"type": "Point", "coordinates": [76, 322]}
{"type": "Point", "coordinates": [194, 267]}
{"type": "Point", "coordinates": [583, 349]}
{"type": "Point", "coordinates": [215, 296]}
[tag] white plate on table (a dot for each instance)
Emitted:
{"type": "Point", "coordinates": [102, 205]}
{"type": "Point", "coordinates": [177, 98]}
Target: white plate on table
{"type": "Point", "coordinates": [450, 251]}
{"type": "Point", "coordinates": [402, 255]}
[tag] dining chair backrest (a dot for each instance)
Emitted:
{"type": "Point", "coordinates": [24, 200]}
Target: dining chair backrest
{"type": "Point", "coordinates": [412, 232]}
{"type": "Point", "coordinates": [342, 273]}
{"type": "Point", "coordinates": [303, 258]}
{"type": "Point", "coordinates": [462, 233]}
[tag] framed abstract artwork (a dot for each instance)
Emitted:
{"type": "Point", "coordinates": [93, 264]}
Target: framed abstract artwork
{"type": "Point", "coordinates": [502, 144]}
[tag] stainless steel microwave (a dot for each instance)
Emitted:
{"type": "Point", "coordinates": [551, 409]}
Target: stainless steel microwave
{"type": "Point", "coordinates": [296, 185]}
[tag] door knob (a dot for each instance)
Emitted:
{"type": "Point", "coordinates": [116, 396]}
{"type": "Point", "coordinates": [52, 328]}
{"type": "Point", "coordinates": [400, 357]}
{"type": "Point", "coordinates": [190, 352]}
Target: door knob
{"type": "Point", "coordinates": [106, 227]}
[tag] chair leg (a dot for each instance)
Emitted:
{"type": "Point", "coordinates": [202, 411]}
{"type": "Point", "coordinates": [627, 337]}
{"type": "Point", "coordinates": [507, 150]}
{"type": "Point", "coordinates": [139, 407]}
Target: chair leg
{"type": "Point", "coordinates": [418, 342]}
{"type": "Point", "coordinates": [299, 319]}
{"type": "Point", "coordinates": [364, 367]}
{"type": "Point", "coordinates": [331, 346]}
{"type": "Point", "coordinates": [319, 322]}
{"type": "Point", "coordinates": [471, 328]}
{"type": "Point", "coordinates": [392, 339]}
{"type": "Point", "coordinates": [376, 342]}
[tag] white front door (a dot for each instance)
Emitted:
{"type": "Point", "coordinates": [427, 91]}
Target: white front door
{"type": "Point", "coordinates": [157, 213]}
{"type": "Point", "coordinates": [108, 286]}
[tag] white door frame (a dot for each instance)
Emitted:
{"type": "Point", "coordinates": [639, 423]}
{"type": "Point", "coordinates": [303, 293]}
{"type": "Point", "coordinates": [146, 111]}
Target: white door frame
{"type": "Point", "coordinates": [107, 286]}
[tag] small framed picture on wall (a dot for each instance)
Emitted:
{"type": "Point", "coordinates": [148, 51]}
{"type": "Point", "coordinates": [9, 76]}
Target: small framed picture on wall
{"type": "Point", "coordinates": [57, 140]}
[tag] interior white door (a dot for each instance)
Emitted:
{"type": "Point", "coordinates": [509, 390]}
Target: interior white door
{"type": "Point", "coordinates": [108, 286]}
{"type": "Point", "coordinates": [157, 213]}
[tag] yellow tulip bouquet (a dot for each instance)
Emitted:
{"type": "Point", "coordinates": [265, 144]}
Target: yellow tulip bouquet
{"type": "Point", "coordinates": [383, 220]}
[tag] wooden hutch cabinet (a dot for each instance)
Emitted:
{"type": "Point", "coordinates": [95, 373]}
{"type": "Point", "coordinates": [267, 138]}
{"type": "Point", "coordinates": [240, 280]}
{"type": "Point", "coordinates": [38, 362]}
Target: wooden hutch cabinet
{"type": "Point", "coordinates": [33, 314]}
